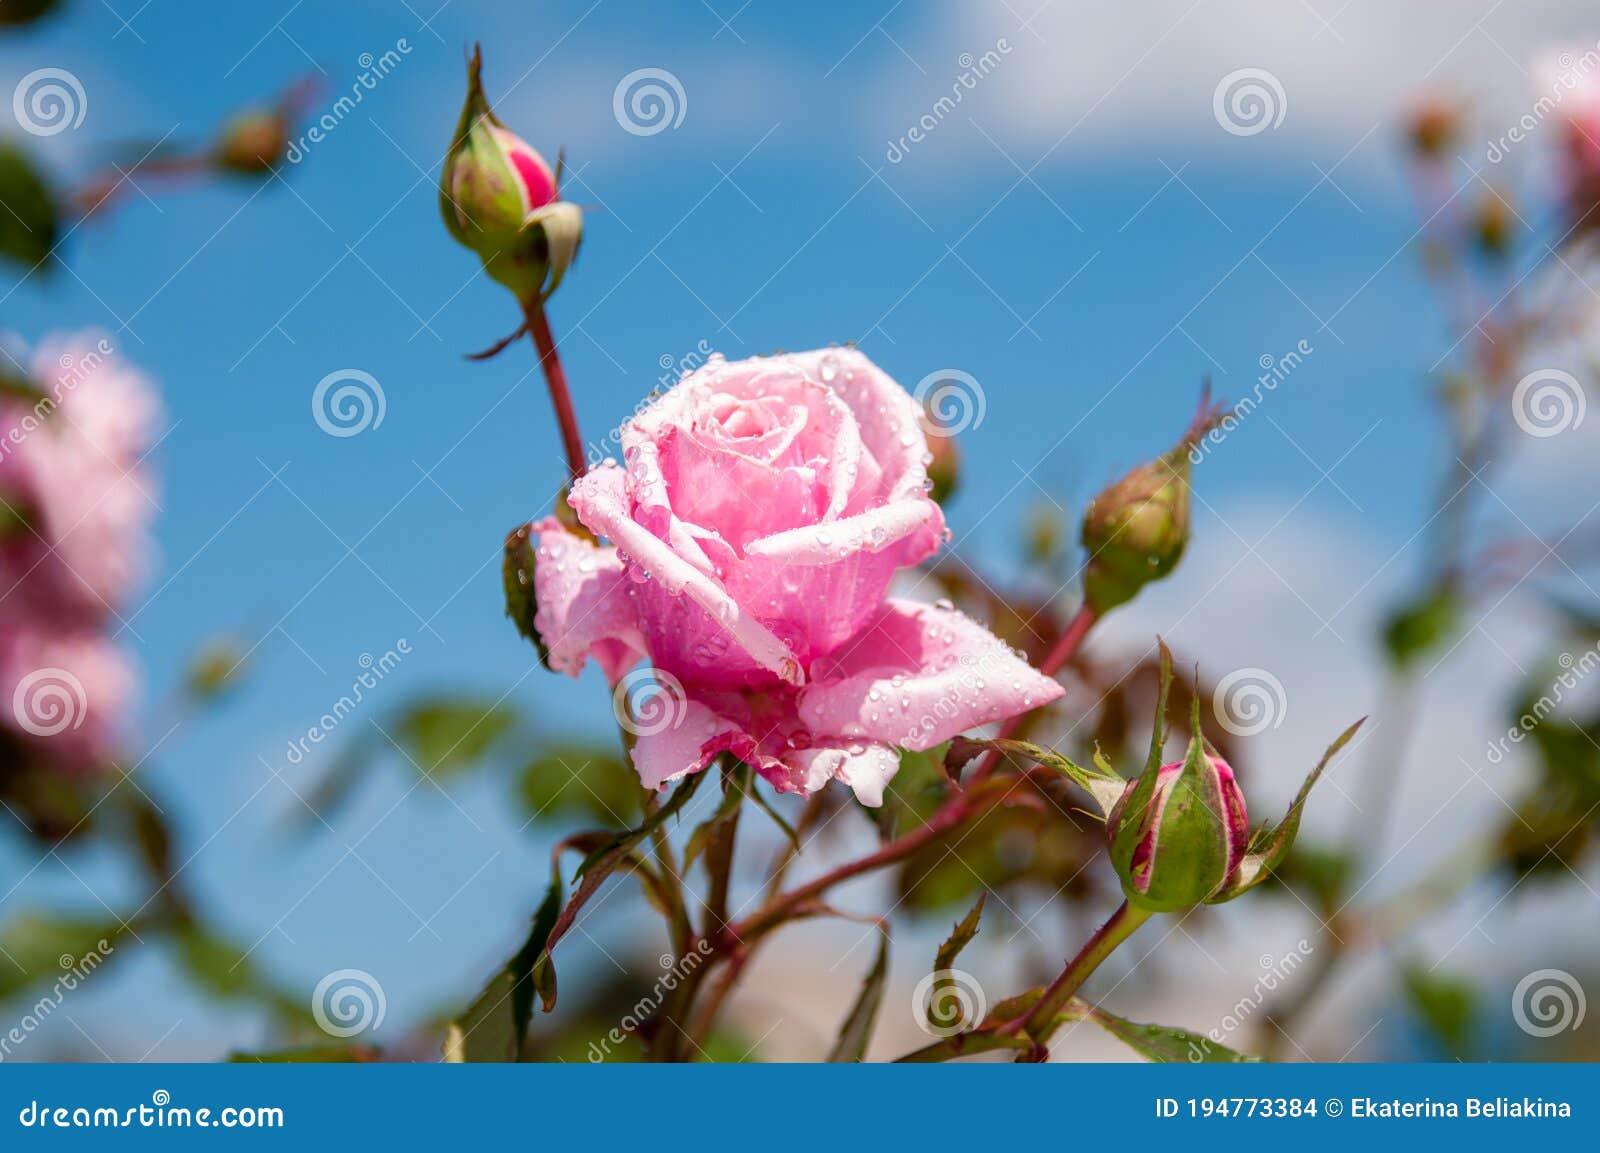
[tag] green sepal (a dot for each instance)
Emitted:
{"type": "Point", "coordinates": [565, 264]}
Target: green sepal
{"type": "Point", "coordinates": [856, 1031]}
{"type": "Point", "coordinates": [1270, 844]}
{"type": "Point", "coordinates": [1101, 783]}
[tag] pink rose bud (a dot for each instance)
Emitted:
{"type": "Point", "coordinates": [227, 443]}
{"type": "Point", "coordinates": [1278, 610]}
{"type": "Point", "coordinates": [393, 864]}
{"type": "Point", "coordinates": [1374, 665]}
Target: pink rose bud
{"type": "Point", "coordinates": [1178, 835]}
{"type": "Point", "coordinates": [500, 199]}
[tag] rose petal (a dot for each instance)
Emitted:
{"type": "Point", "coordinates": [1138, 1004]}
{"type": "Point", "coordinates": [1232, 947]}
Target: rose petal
{"type": "Point", "coordinates": [872, 531]}
{"type": "Point", "coordinates": [600, 498]}
{"type": "Point", "coordinates": [583, 607]}
{"type": "Point", "coordinates": [675, 745]}
{"type": "Point", "coordinates": [867, 771]}
{"type": "Point", "coordinates": [918, 675]}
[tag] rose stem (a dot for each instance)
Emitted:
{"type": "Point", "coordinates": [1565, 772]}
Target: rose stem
{"type": "Point", "coordinates": [556, 377]}
{"type": "Point", "coordinates": [1041, 1020]}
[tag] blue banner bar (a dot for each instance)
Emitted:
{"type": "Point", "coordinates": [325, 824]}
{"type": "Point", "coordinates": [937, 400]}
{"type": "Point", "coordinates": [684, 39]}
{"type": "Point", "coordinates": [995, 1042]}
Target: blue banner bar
{"type": "Point", "coordinates": [950, 1107]}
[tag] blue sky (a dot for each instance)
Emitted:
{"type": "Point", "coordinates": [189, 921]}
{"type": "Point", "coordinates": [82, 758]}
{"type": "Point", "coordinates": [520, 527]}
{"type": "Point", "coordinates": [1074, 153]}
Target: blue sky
{"type": "Point", "coordinates": [1088, 261]}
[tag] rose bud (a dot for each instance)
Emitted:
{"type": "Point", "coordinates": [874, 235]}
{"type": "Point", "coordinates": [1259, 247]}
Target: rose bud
{"type": "Point", "coordinates": [1135, 530]}
{"type": "Point", "coordinates": [253, 142]}
{"type": "Point", "coordinates": [1435, 124]}
{"type": "Point", "coordinates": [1178, 835]}
{"type": "Point", "coordinates": [499, 198]}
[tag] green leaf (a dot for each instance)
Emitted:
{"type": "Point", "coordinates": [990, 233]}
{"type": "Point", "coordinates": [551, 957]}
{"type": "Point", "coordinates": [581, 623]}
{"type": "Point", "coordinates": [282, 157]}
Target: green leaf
{"type": "Point", "coordinates": [39, 947]}
{"type": "Point", "coordinates": [225, 970]}
{"type": "Point", "coordinates": [445, 735]}
{"type": "Point", "coordinates": [567, 780]}
{"type": "Point", "coordinates": [960, 937]}
{"type": "Point", "coordinates": [495, 1026]}
{"type": "Point", "coordinates": [1416, 629]}
{"type": "Point", "coordinates": [601, 862]}
{"type": "Point", "coordinates": [943, 992]}
{"type": "Point", "coordinates": [1158, 1043]}
{"type": "Point", "coordinates": [856, 1032]}
{"type": "Point", "coordinates": [723, 818]}
{"type": "Point", "coordinates": [1446, 1005]}
{"type": "Point", "coordinates": [1106, 789]}
{"type": "Point", "coordinates": [516, 572]}
{"type": "Point", "coordinates": [28, 213]}
{"type": "Point", "coordinates": [1271, 843]}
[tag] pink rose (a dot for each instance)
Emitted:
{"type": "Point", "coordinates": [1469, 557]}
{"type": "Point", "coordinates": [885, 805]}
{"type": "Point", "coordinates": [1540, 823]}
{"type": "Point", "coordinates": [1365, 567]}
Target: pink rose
{"type": "Point", "coordinates": [763, 509]}
{"type": "Point", "coordinates": [64, 694]}
{"type": "Point", "coordinates": [71, 468]}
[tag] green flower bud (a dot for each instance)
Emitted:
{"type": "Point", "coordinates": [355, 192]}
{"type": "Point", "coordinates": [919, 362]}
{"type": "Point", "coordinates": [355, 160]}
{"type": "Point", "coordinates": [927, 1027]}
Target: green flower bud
{"type": "Point", "coordinates": [500, 199]}
{"type": "Point", "coordinates": [253, 143]}
{"type": "Point", "coordinates": [1178, 834]}
{"type": "Point", "coordinates": [1135, 531]}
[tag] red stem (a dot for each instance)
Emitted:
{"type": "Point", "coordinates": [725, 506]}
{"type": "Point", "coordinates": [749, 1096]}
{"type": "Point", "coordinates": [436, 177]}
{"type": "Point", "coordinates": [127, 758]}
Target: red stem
{"type": "Point", "coordinates": [555, 375]}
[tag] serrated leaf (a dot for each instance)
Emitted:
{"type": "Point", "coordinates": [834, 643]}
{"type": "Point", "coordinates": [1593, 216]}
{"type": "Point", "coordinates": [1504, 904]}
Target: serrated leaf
{"type": "Point", "coordinates": [1270, 844]}
{"type": "Point", "coordinates": [856, 1032]}
{"type": "Point", "coordinates": [495, 1025]}
{"type": "Point", "coordinates": [1159, 1043]}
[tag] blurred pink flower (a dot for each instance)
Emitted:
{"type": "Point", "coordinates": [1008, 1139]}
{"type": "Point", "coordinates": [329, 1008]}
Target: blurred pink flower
{"type": "Point", "coordinates": [65, 693]}
{"type": "Point", "coordinates": [75, 511]}
{"type": "Point", "coordinates": [763, 510]}
{"type": "Point", "coordinates": [71, 473]}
